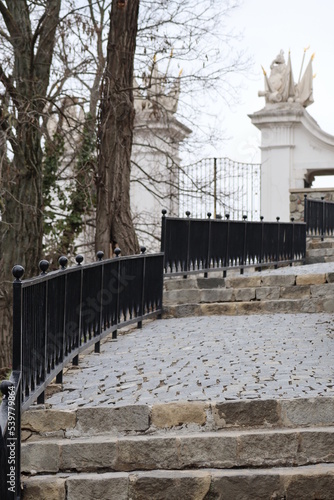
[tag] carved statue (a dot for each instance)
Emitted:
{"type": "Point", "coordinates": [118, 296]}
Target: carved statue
{"type": "Point", "coordinates": [160, 96]}
{"type": "Point", "coordinates": [280, 86]}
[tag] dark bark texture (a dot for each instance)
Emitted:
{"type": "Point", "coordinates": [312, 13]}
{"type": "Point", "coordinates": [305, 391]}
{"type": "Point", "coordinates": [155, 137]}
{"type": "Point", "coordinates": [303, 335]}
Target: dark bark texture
{"type": "Point", "coordinates": [21, 226]}
{"type": "Point", "coordinates": [113, 221]}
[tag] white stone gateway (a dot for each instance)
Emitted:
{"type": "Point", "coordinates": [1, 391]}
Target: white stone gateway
{"type": "Point", "coordinates": [293, 147]}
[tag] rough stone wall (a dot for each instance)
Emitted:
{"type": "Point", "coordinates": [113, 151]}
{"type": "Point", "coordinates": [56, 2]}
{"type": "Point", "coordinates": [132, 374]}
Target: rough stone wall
{"type": "Point", "coordinates": [297, 200]}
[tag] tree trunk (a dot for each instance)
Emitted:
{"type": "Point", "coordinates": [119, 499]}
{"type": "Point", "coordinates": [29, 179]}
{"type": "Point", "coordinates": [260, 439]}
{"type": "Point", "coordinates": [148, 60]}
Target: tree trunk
{"type": "Point", "coordinates": [113, 219]}
{"type": "Point", "coordinates": [21, 227]}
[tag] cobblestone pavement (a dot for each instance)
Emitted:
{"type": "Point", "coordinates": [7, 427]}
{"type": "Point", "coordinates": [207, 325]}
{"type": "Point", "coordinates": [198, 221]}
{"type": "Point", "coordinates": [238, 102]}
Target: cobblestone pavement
{"type": "Point", "coordinates": [320, 268]}
{"type": "Point", "coordinates": [207, 358]}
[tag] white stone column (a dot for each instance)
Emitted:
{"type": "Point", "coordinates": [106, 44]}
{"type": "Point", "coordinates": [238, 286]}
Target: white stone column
{"type": "Point", "coordinates": [278, 123]}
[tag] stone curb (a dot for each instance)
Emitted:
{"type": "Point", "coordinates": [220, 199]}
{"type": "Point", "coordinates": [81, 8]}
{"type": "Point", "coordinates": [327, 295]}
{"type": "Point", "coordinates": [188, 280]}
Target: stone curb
{"type": "Point", "coordinates": [308, 482]}
{"type": "Point", "coordinates": [211, 416]}
{"type": "Point", "coordinates": [219, 449]}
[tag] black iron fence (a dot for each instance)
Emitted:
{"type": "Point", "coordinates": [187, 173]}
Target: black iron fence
{"type": "Point", "coordinates": [319, 218]}
{"type": "Point", "coordinates": [59, 314]}
{"type": "Point", "coordinates": [202, 245]}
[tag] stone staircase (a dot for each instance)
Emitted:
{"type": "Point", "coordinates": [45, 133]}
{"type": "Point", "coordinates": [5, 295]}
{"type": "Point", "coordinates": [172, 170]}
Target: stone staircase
{"type": "Point", "coordinates": [255, 292]}
{"type": "Point", "coordinates": [239, 450]}
{"type": "Point", "coordinates": [230, 450]}
{"type": "Point", "coordinates": [320, 251]}
{"type": "Point", "coordinates": [252, 294]}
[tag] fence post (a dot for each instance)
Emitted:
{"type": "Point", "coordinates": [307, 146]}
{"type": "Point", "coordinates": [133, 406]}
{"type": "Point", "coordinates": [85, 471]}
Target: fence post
{"type": "Point", "coordinates": [214, 188]}
{"type": "Point", "coordinates": [117, 253]}
{"type": "Point", "coordinates": [43, 266]}
{"type": "Point", "coordinates": [245, 242]}
{"type": "Point", "coordinates": [188, 244]}
{"type": "Point", "coordinates": [163, 236]}
{"type": "Point", "coordinates": [278, 242]}
{"type": "Point", "coordinates": [261, 260]}
{"type": "Point", "coordinates": [323, 218]}
{"type": "Point", "coordinates": [306, 211]}
{"type": "Point", "coordinates": [293, 241]}
{"type": "Point", "coordinates": [141, 311]}
{"type": "Point", "coordinates": [79, 259]}
{"type": "Point", "coordinates": [99, 256]}
{"type": "Point", "coordinates": [17, 272]}
{"type": "Point", "coordinates": [209, 245]}
{"type": "Point", "coordinates": [227, 217]}
{"type": "Point", "coordinates": [75, 361]}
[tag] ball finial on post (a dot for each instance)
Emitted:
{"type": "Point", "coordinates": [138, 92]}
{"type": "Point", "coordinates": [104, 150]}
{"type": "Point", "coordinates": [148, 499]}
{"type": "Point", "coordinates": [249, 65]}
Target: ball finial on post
{"type": "Point", "coordinates": [44, 266]}
{"type": "Point", "coordinates": [79, 259]}
{"type": "Point", "coordinates": [100, 255]}
{"type": "Point", "coordinates": [63, 262]}
{"type": "Point", "coordinates": [18, 272]}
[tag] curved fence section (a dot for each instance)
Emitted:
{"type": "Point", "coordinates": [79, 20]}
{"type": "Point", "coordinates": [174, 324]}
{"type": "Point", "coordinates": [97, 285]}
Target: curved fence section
{"type": "Point", "coordinates": [56, 316]}
{"type": "Point", "coordinates": [202, 245]}
{"type": "Point", "coordinates": [64, 312]}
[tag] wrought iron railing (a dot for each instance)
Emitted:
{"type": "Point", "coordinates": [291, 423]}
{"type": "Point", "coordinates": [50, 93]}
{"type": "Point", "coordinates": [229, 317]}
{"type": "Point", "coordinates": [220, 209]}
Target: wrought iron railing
{"type": "Point", "coordinates": [202, 245]}
{"type": "Point", "coordinates": [59, 314]}
{"type": "Point", "coordinates": [319, 218]}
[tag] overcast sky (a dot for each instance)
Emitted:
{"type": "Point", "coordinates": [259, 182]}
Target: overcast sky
{"type": "Point", "coordinates": [269, 26]}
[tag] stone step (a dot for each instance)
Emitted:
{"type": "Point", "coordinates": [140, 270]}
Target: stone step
{"type": "Point", "coordinates": [38, 424]}
{"type": "Point", "coordinates": [251, 307]}
{"type": "Point", "coordinates": [319, 260]}
{"type": "Point", "coordinates": [220, 450]}
{"type": "Point", "coordinates": [316, 243]}
{"type": "Point", "coordinates": [258, 280]}
{"type": "Point", "coordinates": [312, 482]}
{"type": "Point", "coordinates": [254, 294]}
{"type": "Point", "coordinates": [247, 294]}
{"type": "Point", "coordinates": [320, 252]}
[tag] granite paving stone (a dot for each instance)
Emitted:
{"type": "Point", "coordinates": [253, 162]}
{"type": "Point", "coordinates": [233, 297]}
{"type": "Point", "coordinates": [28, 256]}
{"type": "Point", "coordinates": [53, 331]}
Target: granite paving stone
{"type": "Point", "coordinates": [213, 358]}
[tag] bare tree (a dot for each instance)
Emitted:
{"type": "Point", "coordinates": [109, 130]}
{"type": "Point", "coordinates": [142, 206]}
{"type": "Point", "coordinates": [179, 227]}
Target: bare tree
{"type": "Point", "coordinates": [29, 31]}
{"type": "Point", "coordinates": [113, 221]}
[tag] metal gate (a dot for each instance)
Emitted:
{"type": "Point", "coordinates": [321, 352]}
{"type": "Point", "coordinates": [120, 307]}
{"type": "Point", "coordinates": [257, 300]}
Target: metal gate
{"type": "Point", "coordinates": [220, 186]}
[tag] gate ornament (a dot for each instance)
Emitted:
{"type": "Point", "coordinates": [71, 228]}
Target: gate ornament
{"type": "Point", "coordinates": [280, 86]}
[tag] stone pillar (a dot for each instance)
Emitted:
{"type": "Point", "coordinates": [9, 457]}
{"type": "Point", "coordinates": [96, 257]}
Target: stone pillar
{"type": "Point", "coordinates": [278, 123]}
